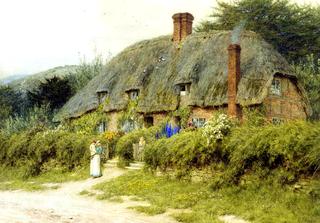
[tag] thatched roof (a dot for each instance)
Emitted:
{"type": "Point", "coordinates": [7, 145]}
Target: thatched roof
{"type": "Point", "coordinates": [155, 67]}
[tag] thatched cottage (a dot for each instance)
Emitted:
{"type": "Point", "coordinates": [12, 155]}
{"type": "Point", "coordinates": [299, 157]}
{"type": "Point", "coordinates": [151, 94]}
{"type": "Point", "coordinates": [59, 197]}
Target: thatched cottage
{"type": "Point", "coordinates": [203, 71]}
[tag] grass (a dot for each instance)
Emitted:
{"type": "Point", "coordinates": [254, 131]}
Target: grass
{"type": "Point", "coordinates": [116, 199]}
{"type": "Point", "coordinates": [10, 179]}
{"type": "Point", "coordinates": [256, 202]}
{"type": "Point", "coordinates": [150, 210]}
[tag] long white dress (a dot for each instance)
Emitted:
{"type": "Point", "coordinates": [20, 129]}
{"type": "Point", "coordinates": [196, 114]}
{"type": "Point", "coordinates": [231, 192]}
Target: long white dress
{"type": "Point", "coordinates": [95, 169]}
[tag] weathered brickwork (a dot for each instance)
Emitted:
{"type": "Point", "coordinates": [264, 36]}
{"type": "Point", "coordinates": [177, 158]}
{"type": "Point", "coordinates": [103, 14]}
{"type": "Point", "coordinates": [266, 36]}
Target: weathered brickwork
{"type": "Point", "coordinates": [206, 113]}
{"type": "Point", "coordinates": [182, 26]}
{"type": "Point", "coordinates": [233, 79]}
{"type": "Point", "coordinates": [288, 105]}
{"type": "Point", "coordinates": [158, 117]}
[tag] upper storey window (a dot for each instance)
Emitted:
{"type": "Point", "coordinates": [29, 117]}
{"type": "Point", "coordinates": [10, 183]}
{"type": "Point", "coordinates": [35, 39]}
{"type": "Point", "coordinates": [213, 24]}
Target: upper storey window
{"type": "Point", "coordinates": [184, 89]}
{"type": "Point", "coordinates": [133, 94]}
{"type": "Point", "coordinates": [102, 96]}
{"type": "Point", "coordinates": [276, 87]}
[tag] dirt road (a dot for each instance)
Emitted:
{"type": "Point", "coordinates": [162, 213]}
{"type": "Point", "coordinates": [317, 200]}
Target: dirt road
{"type": "Point", "coordinates": [66, 205]}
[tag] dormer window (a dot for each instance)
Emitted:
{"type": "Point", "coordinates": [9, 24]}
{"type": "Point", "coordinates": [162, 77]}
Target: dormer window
{"type": "Point", "coordinates": [276, 87]}
{"type": "Point", "coordinates": [133, 94]}
{"type": "Point", "coordinates": [102, 96]}
{"type": "Point", "coordinates": [184, 89]}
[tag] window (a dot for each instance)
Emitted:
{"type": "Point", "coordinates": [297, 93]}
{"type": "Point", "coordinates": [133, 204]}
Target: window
{"type": "Point", "coordinates": [102, 96]}
{"type": "Point", "coordinates": [129, 125]}
{"type": "Point", "coordinates": [198, 122]}
{"type": "Point", "coordinates": [133, 95]}
{"type": "Point", "coordinates": [102, 127]}
{"type": "Point", "coordinates": [184, 89]}
{"type": "Point", "coordinates": [276, 87]}
{"type": "Point", "coordinates": [148, 121]}
{"type": "Point", "coordinates": [277, 120]}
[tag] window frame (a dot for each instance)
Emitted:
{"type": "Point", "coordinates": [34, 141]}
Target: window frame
{"type": "Point", "coordinates": [133, 94]}
{"type": "Point", "coordinates": [102, 96]}
{"type": "Point", "coordinates": [198, 122]}
{"type": "Point", "coordinates": [276, 88]}
{"type": "Point", "coordinates": [277, 120]}
{"type": "Point", "coordinates": [184, 89]}
{"type": "Point", "coordinates": [102, 127]}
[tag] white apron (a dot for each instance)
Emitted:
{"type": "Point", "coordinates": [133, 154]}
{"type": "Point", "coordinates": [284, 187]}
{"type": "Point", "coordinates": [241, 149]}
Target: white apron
{"type": "Point", "coordinates": [95, 169]}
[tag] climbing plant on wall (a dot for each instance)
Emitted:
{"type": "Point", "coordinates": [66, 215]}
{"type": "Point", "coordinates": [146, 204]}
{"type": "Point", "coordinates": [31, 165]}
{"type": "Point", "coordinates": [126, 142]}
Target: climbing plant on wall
{"type": "Point", "coordinates": [88, 123]}
{"type": "Point", "coordinates": [129, 119]}
{"type": "Point", "coordinates": [183, 113]}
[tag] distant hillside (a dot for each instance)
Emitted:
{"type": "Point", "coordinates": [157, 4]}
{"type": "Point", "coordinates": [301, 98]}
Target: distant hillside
{"type": "Point", "coordinates": [32, 81]}
{"type": "Point", "coordinates": [9, 79]}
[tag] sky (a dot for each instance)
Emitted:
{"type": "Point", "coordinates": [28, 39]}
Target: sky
{"type": "Point", "coordinates": [41, 34]}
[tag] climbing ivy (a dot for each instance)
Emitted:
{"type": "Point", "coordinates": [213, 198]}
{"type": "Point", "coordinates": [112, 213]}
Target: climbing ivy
{"type": "Point", "coordinates": [130, 114]}
{"type": "Point", "coordinates": [184, 114]}
{"type": "Point", "coordinates": [88, 123]}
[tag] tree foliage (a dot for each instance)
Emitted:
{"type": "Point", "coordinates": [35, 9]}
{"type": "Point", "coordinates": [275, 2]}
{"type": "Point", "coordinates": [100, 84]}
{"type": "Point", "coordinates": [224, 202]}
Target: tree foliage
{"type": "Point", "coordinates": [293, 30]}
{"type": "Point", "coordinates": [85, 72]}
{"type": "Point", "coordinates": [10, 102]}
{"type": "Point", "coordinates": [54, 92]}
{"type": "Point", "coordinates": [309, 76]}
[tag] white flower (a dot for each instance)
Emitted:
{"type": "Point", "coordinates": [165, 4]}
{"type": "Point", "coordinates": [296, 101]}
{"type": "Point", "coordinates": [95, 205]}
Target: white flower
{"type": "Point", "coordinates": [216, 128]}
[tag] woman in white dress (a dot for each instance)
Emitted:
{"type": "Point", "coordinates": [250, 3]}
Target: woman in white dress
{"type": "Point", "coordinates": [95, 169]}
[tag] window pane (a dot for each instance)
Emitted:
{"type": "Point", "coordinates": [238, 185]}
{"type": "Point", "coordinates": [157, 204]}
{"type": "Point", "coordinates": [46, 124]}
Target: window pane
{"type": "Point", "coordinates": [276, 87]}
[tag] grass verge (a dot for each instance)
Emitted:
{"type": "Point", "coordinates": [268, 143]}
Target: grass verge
{"type": "Point", "coordinates": [256, 202]}
{"type": "Point", "coordinates": [10, 179]}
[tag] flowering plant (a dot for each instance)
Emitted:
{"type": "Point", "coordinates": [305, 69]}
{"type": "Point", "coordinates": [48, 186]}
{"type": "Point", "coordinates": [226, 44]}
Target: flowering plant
{"type": "Point", "coordinates": [110, 135]}
{"type": "Point", "coordinates": [216, 128]}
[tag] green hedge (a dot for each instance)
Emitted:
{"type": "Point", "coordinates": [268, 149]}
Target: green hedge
{"type": "Point", "coordinates": [288, 151]}
{"type": "Point", "coordinates": [183, 151]}
{"type": "Point", "coordinates": [294, 147]}
{"type": "Point", "coordinates": [34, 152]}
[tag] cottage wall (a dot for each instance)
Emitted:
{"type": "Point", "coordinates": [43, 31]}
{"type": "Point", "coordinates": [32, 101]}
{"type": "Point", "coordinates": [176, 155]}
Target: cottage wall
{"type": "Point", "coordinates": [113, 121]}
{"type": "Point", "coordinates": [206, 113]}
{"type": "Point", "coordinates": [158, 117]}
{"type": "Point", "coordinates": [288, 105]}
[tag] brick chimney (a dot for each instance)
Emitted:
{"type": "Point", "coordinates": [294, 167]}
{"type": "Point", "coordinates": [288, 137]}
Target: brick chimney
{"type": "Point", "coordinates": [182, 26]}
{"type": "Point", "coordinates": [234, 76]}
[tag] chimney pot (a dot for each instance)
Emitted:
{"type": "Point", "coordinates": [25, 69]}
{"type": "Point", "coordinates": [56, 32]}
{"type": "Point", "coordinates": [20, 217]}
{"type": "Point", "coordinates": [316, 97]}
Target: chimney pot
{"type": "Point", "coordinates": [182, 26]}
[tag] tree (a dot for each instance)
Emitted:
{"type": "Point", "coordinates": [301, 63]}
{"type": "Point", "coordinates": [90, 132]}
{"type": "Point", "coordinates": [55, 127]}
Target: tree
{"type": "Point", "coordinates": [54, 92]}
{"type": "Point", "coordinates": [293, 30]}
{"type": "Point", "coordinates": [85, 72]}
{"type": "Point", "coordinates": [10, 102]}
{"type": "Point", "coordinates": [309, 76]}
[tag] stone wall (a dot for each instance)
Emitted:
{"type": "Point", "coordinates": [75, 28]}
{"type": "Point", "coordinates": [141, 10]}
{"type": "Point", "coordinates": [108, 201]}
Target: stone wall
{"type": "Point", "coordinates": [287, 106]}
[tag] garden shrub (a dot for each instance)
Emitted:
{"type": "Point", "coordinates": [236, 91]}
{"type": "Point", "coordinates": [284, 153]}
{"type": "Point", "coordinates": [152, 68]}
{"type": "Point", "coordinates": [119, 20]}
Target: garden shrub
{"type": "Point", "coordinates": [183, 151]}
{"type": "Point", "coordinates": [124, 148]}
{"type": "Point", "coordinates": [293, 146]}
{"type": "Point", "coordinates": [35, 151]}
{"type": "Point", "coordinates": [283, 153]}
{"type": "Point", "coordinates": [216, 128]}
{"type": "Point", "coordinates": [109, 140]}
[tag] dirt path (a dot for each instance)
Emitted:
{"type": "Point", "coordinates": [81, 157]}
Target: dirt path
{"type": "Point", "coordinates": [66, 205]}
